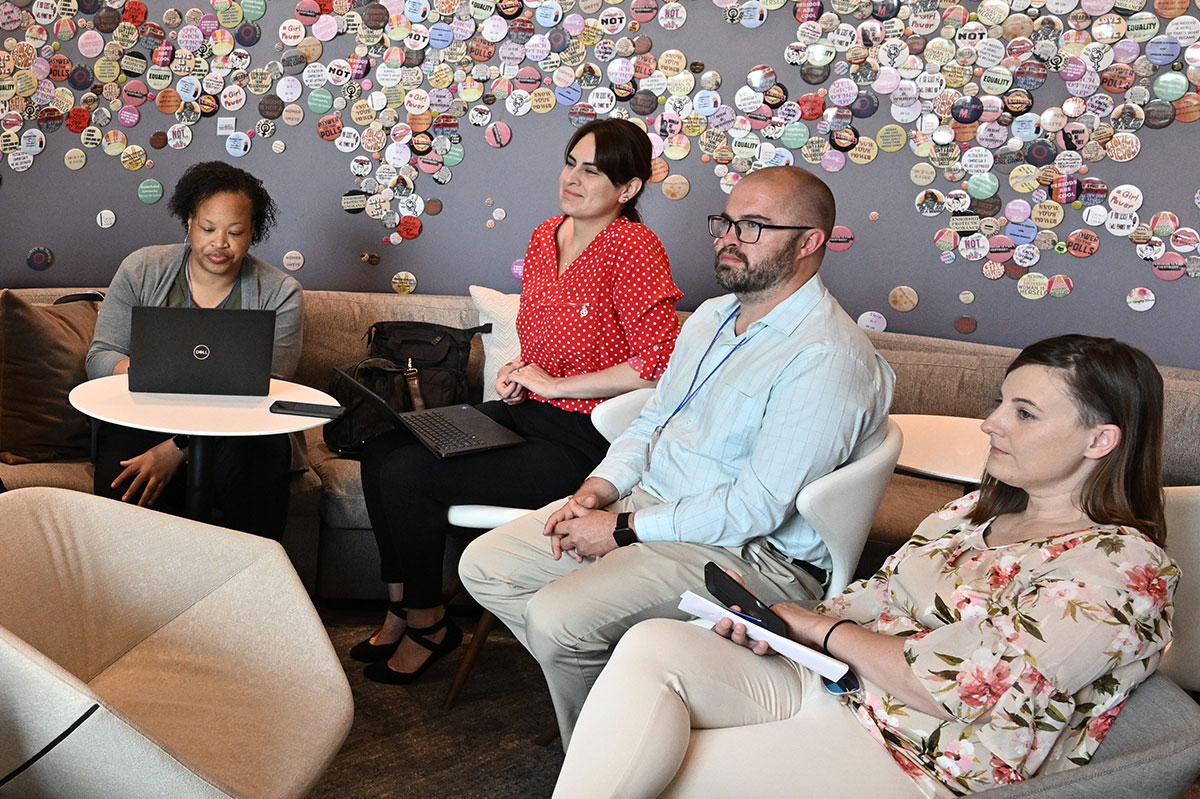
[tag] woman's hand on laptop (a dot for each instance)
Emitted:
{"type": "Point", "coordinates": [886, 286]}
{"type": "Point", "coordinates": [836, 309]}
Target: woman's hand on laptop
{"type": "Point", "coordinates": [150, 472]}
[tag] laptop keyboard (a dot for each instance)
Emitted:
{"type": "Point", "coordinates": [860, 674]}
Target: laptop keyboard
{"type": "Point", "coordinates": [444, 434]}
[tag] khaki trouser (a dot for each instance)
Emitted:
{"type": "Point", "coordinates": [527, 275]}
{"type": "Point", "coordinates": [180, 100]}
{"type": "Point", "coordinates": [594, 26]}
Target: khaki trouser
{"type": "Point", "coordinates": [569, 615]}
{"type": "Point", "coordinates": [669, 717]}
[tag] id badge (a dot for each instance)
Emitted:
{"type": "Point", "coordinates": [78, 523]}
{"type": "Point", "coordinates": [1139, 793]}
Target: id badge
{"type": "Point", "coordinates": [652, 443]}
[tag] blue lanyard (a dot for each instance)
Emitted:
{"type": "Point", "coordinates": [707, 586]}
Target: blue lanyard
{"type": "Point", "coordinates": [694, 389]}
{"type": "Point", "coordinates": [187, 266]}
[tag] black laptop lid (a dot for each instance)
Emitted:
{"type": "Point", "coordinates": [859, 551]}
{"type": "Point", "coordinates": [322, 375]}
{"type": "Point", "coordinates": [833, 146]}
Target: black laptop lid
{"type": "Point", "coordinates": [201, 351]}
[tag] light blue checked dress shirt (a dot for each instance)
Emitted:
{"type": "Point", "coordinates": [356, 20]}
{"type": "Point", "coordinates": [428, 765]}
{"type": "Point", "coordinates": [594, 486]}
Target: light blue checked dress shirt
{"type": "Point", "coordinates": [802, 395]}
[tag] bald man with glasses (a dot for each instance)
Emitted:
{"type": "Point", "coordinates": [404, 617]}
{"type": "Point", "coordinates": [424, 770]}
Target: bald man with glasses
{"type": "Point", "coordinates": [770, 387]}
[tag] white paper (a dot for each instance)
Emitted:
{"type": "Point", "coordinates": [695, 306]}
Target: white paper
{"type": "Point", "coordinates": [827, 667]}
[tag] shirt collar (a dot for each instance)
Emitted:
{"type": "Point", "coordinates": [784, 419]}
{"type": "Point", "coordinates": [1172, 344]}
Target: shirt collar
{"type": "Point", "coordinates": [788, 314]}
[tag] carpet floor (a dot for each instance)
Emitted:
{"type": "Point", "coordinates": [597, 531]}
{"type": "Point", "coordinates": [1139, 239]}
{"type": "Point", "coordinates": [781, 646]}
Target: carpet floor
{"type": "Point", "coordinates": [402, 743]}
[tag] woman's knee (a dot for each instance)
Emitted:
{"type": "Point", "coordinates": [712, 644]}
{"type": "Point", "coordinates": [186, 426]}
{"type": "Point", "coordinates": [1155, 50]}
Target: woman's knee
{"type": "Point", "coordinates": [657, 642]}
{"type": "Point", "coordinates": [407, 469]}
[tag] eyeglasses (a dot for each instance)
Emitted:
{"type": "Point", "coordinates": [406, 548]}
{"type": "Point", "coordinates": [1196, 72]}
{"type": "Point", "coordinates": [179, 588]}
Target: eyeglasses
{"type": "Point", "coordinates": [746, 230]}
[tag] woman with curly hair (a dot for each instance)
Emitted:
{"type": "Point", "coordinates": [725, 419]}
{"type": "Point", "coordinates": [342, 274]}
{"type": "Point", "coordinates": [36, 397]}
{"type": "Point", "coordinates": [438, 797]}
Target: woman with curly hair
{"type": "Point", "coordinates": [224, 211]}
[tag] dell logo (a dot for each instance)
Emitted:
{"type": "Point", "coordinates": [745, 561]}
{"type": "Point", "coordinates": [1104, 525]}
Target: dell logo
{"type": "Point", "coordinates": [200, 352]}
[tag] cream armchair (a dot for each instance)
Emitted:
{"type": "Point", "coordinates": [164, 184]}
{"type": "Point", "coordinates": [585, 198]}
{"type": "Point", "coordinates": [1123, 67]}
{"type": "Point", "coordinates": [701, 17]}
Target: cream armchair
{"type": "Point", "coordinates": [143, 655]}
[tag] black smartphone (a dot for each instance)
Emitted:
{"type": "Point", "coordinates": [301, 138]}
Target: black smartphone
{"type": "Point", "coordinates": [307, 409]}
{"type": "Point", "coordinates": [729, 592]}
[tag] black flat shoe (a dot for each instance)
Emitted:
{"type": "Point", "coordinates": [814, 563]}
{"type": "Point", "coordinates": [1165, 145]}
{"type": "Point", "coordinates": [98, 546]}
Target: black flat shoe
{"type": "Point", "coordinates": [382, 672]}
{"type": "Point", "coordinates": [366, 652]}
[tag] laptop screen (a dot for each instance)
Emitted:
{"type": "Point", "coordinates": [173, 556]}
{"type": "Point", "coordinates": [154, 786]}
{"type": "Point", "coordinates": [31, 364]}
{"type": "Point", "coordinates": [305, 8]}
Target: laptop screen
{"type": "Point", "coordinates": [201, 351]}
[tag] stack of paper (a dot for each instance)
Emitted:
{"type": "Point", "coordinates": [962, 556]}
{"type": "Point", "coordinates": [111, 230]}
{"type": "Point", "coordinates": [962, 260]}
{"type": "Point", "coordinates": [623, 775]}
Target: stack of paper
{"type": "Point", "coordinates": [827, 667]}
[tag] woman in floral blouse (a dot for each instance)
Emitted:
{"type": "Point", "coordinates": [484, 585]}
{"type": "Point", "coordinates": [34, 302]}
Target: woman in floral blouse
{"type": "Point", "coordinates": [999, 642]}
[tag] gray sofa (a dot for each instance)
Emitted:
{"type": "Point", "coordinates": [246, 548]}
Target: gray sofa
{"type": "Point", "coordinates": [328, 535]}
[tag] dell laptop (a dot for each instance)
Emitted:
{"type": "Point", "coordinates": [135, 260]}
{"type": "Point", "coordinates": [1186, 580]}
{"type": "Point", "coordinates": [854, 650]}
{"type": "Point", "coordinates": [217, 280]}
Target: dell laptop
{"type": "Point", "coordinates": [457, 430]}
{"type": "Point", "coordinates": [201, 351]}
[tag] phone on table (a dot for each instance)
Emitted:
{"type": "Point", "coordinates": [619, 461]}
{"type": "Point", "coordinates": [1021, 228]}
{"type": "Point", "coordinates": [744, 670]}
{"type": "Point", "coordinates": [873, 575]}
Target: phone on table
{"type": "Point", "coordinates": [730, 592]}
{"type": "Point", "coordinates": [307, 409]}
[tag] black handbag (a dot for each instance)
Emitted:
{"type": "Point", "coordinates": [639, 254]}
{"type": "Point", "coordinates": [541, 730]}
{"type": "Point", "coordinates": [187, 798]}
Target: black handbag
{"type": "Point", "coordinates": [409, 366]}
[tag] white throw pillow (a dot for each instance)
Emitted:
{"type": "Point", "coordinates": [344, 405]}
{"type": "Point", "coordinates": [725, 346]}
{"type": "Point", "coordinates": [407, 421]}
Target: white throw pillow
{"type": "Point", "coordinates": [501, 345]}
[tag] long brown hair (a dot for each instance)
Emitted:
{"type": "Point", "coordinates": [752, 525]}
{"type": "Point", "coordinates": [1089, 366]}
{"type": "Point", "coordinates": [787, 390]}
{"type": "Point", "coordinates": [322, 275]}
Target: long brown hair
{"type": "Point", "coordinates": [1110, 383]}
{"type": "Point", "coordinates": [623, 152]}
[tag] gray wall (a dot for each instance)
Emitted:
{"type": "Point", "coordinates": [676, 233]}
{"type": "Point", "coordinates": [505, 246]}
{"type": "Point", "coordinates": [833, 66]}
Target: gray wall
{"type": "Point", "coordinates": [50, 206]}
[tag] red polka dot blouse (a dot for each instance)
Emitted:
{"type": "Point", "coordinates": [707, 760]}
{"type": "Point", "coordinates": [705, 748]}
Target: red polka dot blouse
{"type": "Point", "coordinates": [614, 303]}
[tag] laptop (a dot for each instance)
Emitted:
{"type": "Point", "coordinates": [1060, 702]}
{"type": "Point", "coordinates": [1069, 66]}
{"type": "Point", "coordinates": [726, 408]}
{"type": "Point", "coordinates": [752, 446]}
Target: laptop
{"type": "Point", "coordinates": [457, 430]}
{"type": "Point", "coordinates": [201, 351]}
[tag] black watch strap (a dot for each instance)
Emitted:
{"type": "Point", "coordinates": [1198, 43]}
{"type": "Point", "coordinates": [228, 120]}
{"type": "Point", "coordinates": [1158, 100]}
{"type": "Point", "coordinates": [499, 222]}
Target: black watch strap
{"type": "Point", "coordinates": [624, 534]}
{"type": "Point", "coordinates": [181, 441]}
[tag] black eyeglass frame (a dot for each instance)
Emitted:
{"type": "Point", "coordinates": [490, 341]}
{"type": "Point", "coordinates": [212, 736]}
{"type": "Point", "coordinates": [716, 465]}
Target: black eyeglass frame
{"type": "Point", "coordinates": [751, 225]}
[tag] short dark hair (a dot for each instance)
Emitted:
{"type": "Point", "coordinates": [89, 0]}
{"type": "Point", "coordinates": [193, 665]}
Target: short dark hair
{"type": "Point", "coordinates": [207, 178]}
{"type": "Point", "coordinates": [623, 152]}
{"type": "Point", "coordinates": [1110, 383]}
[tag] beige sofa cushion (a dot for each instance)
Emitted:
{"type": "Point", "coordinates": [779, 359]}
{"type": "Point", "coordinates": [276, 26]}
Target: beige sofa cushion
{"type": "Point", "coordinates": [1181, 427]}
{"type": "Point", "coordinates": [75, 475]}
{"type": "Point", "coordinates": [342, 503]}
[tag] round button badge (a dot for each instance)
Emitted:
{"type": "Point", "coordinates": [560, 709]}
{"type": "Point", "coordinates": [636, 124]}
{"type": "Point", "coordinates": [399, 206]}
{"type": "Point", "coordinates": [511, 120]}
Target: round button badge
{"type": "Point", "coordinates": [1140, 299]}
{"type": "Point", "coordinates": [903, 298]}
{"type": "Point", "coordinates": [872, 320]}
{"type": "Point", "coordinates": [404, 282]}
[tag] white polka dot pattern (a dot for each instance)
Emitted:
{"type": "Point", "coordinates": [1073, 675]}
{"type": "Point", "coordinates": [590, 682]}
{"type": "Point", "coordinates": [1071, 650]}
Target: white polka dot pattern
{"type": "Point", "coordinates": [614, 303]}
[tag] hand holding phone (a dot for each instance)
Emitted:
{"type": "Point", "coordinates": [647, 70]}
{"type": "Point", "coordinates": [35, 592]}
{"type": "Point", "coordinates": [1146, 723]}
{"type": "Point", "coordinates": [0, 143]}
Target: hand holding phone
{"type": "Point", "coordinates": [730, 592]}
{"type": "Point", "coordinates": [307, 409]}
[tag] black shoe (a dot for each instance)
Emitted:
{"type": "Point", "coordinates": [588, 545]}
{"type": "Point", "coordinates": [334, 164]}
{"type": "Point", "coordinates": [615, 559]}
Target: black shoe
{"type": "Point", "coordinates": [367, 652]}
{"type": "Point", "coordinates": [382, 672]}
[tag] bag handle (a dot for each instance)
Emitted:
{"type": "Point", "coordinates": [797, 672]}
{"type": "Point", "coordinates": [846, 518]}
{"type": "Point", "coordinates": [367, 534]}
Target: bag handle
{"type": "Point", "coordinates": [412, 377]}
{"type": "Point", "coordinates": [469, 332]}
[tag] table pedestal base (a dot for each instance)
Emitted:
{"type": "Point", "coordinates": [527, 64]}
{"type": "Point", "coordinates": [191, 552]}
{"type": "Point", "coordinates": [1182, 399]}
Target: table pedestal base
{"type": "Point", "coordinates": [199, 479]}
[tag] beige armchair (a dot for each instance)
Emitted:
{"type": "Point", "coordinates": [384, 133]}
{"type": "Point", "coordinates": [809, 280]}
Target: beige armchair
{"type": "Point", "coordinates": [143, 655]}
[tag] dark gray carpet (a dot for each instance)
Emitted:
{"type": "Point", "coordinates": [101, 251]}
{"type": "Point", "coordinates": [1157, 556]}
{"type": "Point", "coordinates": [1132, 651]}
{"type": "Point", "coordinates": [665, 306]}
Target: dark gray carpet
{"type": "Point", "coordinates": [403, 745]}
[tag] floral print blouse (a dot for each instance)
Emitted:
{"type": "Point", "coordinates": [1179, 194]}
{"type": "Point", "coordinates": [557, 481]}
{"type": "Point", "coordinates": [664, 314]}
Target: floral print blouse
{"type": "Point", "coordinates": [1033, 647]}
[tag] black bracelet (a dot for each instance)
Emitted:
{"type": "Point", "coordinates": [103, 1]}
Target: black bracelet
{"type": "Point", "coordinates": [829, 632]}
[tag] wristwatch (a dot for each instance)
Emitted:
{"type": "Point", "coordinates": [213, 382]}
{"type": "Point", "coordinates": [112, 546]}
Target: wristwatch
{"type": "Point", "coordinates": [181, 441]}
{"type": "Point", "coordinates": [624, 534]}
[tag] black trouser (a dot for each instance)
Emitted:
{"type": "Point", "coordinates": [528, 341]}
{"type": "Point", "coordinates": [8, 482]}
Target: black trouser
{"type": "Point", "coordinates": [250, 477]}
{"type": "Point", "coordinates": [408, 488]}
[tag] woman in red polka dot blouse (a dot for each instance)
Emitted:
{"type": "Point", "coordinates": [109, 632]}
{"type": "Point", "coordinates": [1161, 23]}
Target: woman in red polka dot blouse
{"type": "Point", "coordinates": [597, 319]}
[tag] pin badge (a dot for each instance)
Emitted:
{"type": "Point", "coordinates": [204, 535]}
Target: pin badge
{"type": "Point", "coordinates": [903, 298]}
{"type": "Point", "coordinates": [1140, 299]}
{"type": "Point", "coordinates": [39, 259]}
{"type": "Point", "coordinates": [872, 320]}
{"type": "Point", "coordinates": [404, 282]}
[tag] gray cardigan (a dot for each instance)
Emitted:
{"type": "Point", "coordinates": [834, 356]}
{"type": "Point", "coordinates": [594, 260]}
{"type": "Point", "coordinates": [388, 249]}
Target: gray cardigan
{"type": "Point", "coordinates": [145, 277]}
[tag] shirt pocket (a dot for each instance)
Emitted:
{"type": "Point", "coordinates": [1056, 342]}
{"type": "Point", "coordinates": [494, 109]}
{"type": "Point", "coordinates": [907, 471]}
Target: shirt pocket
{"type": "Point", "coordinates": [722, 422]}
